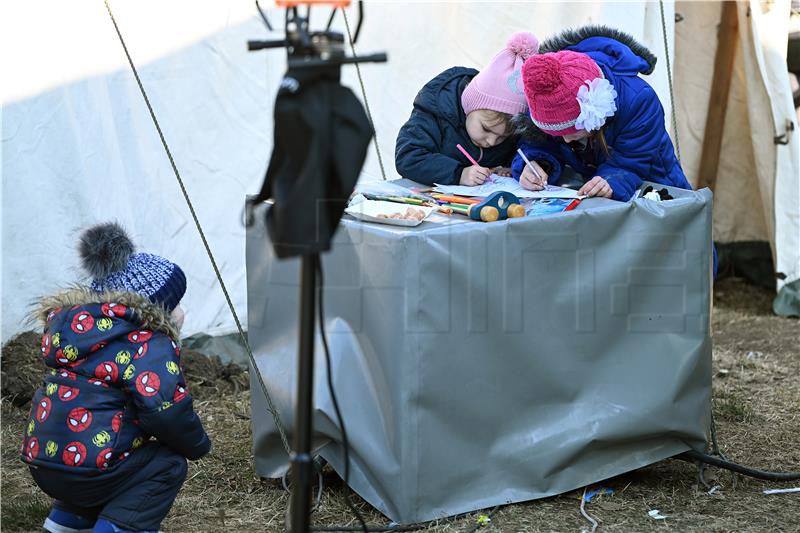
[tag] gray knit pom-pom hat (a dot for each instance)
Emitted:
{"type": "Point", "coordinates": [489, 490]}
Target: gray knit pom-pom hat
{"type": "Point", "coordinates": [107, 254]}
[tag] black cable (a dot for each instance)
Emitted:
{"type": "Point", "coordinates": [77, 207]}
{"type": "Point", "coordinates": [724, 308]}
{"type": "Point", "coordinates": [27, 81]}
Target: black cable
{"type": "Point", "coordinates": [263, 16]}
{"type": "Point", "coordinates": [695, 456]}
{"type": "Point", "coordinates": [477, 525]}
{"type": "Point", "coordinates": [376, 529]}
{"type": "Point", "coordinates": [330, 20]}
{"type": "Point", "coordinates": [345, 442]}
{"type": "Point", "coordinates": [408, 527]}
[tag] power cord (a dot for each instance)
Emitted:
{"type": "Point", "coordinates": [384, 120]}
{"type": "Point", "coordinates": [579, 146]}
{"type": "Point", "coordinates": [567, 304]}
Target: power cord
{"type": "Point", "coordinates": [345, 442]}
{"type": "Point", "coordinates": [410, 527]}
{"type": "Point", "coordinates": [695, 457]}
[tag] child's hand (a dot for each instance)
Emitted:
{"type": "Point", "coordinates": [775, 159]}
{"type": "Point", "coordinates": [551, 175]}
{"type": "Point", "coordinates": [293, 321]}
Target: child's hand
{"type": "Point", "coordinates": [474, 175]}
{"type": "Point", "coordinates": [597, 186]}
{"type": "Point", "coordinates": [528, 179]}
{"type": "Point", "coordinates": [502, 171]}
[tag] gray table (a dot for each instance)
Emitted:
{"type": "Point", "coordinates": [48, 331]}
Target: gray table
{"type": "Point", "coordinates": [480, 364]}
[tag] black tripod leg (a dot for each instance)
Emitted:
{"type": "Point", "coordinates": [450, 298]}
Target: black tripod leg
{"type": "Point", "coordinates": [301, 460]}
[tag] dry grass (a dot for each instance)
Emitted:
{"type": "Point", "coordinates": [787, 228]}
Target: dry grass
{"type": "Point", "coordinates": [757, 406]}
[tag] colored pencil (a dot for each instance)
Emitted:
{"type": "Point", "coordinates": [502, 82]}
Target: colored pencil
{"type": "Point", "coordinates": [463, 151]}
{"type": "Point", "coordinates": [573, 204]}
{"type": "Point", "coordinates": [457, 207]}
{"type": "Point", "coordinates": [397, 199]}
{"type": "Point", "coordinates": [455, 199]}
{"type": "Point", "coordinates": [444, 208]}
{"type": "Point", "coordinates": [530, 165]}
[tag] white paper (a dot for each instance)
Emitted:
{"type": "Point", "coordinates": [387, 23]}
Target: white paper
{"type": "Point", "coordinates": [496, 183]}
{"type": "Point", "coordinates": [656, 515]}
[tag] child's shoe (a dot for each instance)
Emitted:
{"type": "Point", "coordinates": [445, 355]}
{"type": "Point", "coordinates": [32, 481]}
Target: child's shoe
{"type": "Point", "coordinates": [61, 521]}
{"type": "Point", "coordinates": [104, 526]}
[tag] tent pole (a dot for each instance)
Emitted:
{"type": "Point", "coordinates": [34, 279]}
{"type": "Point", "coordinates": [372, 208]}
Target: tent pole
{"type": "Point", "coordinates": [718, 100]}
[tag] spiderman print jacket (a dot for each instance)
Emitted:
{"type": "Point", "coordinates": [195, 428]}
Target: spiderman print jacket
{"type": "Point", "coordinates": [114, 381]}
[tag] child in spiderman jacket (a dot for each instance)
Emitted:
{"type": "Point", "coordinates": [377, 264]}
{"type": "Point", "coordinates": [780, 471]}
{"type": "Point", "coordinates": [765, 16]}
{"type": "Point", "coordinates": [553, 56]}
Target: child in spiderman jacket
{"type": "Point", "coordinates": [112, 425]}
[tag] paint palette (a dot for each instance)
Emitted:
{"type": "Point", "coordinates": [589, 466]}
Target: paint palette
{"type": "Point", "coordinates": [389, 212]}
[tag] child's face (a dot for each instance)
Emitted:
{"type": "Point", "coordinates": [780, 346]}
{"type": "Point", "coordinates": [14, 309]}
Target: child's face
{"type": "Point", "coordinates": [484, 129]}
{"type": "Point", "coordinates": [178, 316]}
{"type": "Point", "coordinates": [581, 134]}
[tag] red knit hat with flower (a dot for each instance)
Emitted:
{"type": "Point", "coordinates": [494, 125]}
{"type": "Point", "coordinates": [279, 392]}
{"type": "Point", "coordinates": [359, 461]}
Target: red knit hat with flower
{"type": "Point", "coordinates": [552, 82]}
{"type": "Point", "coordinates": [498, 87]}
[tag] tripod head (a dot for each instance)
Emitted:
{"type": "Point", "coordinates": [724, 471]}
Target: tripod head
{"type": "Point", "coordinates": [306, 48]}
{"type": "Point", "coordinates": [321, 133]}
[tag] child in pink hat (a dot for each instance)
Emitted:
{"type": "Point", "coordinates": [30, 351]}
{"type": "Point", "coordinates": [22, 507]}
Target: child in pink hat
{"type": "Point", "coordinates": [462, 106]}
{"type": "Point", "coordinates": [603, 120]}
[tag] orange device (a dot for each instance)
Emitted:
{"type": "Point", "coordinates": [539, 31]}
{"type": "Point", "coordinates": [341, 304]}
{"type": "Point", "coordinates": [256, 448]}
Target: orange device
{"type": "Point", "coordinates": [295, 3]}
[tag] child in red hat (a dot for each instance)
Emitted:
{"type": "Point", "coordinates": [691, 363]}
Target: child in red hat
{"type": "Point", "coordinates": [602, 119]}
{"type": "Point", "coordinates": [462, 106]}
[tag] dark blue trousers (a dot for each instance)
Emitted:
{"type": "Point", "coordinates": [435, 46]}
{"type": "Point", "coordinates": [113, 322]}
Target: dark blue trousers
{"type": "Point", "coordinates": [136, 495]}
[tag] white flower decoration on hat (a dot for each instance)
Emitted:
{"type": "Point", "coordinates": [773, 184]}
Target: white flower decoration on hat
{"type": "Point", "coordinates": [597, 101]}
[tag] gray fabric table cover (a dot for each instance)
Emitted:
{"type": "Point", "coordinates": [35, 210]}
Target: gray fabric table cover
{"type": "Point", "coordinates": [480, 364]}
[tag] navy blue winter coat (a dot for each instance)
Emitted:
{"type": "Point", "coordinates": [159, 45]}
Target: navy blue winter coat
{"type": "Point", "coordinates": [639, 146]}
{"type": "Point", "coordinates": [115, 381]}
{"type": "Point", "coordinates": [426, 145]}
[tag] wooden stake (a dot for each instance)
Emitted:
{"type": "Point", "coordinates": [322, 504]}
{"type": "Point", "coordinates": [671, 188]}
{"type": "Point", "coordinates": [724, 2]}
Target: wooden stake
{"type": "Point", "coordinates": [718, 100]}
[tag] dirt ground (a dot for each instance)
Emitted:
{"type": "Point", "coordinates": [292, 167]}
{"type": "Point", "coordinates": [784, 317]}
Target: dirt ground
{"type": "Point", "coordinates": [757, 408]}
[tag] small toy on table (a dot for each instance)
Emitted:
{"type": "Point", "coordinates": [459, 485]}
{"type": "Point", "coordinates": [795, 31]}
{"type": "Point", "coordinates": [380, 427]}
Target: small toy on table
{"type": "Point", "coordinates": [497, 206]}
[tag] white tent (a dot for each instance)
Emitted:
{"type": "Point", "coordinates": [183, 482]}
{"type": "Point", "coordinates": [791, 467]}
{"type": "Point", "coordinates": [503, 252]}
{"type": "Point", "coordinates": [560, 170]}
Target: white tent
{"type": "Point", "coordinates": [757, 187]}
{"type": "Point", "coordinates": [78, 145]}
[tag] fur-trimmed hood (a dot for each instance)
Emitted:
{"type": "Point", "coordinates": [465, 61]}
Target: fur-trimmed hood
{"type": "Point", "coordinates": [147, 314]}
{"type": "Point", "coordinates": [114, 380]}
{"type": "Point", "coordinates": [570, 38]}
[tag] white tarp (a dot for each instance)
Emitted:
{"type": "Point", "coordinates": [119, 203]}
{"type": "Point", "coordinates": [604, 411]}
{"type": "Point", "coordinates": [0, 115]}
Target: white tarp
{"type": "Point", "coordinates": [467, 382]}
{"type": "Point", "coordinates": [78, 145]}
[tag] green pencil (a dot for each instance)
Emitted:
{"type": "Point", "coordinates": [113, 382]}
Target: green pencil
{"type": "Point", "coordinates": [397, 199]}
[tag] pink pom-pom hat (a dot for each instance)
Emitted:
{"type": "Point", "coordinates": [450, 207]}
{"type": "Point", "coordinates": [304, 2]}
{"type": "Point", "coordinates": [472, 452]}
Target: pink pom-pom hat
{"type": "Point", "coordinates": [551, 82]}
{"type": "Point", "coordinates": [498, 87]}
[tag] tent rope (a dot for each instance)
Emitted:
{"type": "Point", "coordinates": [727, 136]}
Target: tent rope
{"type": "Point", "coordinates": [271, 408]}
{"type": "Point", "coordinates": [669, 78]}
{"type": "Point", "coordinates": [364, 94]}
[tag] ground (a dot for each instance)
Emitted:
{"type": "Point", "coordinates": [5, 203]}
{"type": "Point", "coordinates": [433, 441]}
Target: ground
{"type": "Point", "coordinates": [757, 408]}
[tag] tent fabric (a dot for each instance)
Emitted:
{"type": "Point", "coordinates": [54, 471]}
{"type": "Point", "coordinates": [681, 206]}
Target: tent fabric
{"type": "Point", "coordinates": [483, 364]}
{"type": "Point", "coordinates": [78, 145]}
{"type": "Point", "coordinates": [769, 28]}
{"type": "Point", "coordinates": [757, 191]}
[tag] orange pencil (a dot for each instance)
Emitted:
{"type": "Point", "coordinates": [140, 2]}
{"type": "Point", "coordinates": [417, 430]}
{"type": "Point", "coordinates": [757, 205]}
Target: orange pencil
{"type": "Point", "coordinates": [456, 199]}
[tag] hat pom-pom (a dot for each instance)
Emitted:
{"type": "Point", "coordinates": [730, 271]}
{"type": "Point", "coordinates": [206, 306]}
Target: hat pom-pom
{"type": "Point", "coordinates": [541, 74]}
{"type": "Point", "coordinates": [105, 248]}
{"type": "Point", "coordinates": [523, 44]}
